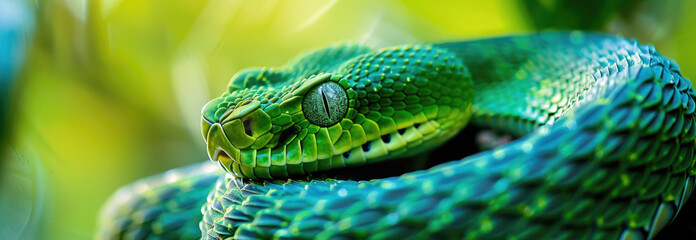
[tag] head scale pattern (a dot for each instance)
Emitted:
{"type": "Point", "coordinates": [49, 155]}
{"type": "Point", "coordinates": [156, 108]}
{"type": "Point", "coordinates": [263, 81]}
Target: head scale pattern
{"type": "Point", "coordinates": [341, 106]}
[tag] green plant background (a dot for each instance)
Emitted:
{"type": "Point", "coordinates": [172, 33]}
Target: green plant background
{"type": "Point", "coordinates": [112, 90]}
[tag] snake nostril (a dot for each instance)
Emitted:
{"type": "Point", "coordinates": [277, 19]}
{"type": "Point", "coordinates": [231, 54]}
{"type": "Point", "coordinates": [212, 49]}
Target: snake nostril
{"type": "Point", "coordinates": [247, 127]}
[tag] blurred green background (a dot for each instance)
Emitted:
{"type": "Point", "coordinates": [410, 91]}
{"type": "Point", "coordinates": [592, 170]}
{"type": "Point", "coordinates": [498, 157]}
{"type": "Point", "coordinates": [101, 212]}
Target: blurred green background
{"type": "Point", "coordinates": [111, 90]}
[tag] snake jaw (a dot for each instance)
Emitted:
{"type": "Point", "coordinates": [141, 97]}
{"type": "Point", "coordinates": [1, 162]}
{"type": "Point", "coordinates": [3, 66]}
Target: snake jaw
{"type": "Point", "coordinates": [219, 147]}
{"type": "Point", "coordinates": [223, 159]}
{"type": "Point", "coordinates": [370, 109]}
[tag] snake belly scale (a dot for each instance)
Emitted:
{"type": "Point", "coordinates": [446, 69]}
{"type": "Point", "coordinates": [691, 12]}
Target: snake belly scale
{"type": "Point", "coordinates": [605, 146]}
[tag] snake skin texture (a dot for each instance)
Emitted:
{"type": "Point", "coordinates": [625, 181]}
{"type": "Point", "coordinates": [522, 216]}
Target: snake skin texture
{"type": "Point", "coordinates": [604, 145]}
{"type": "Point", "coordinates": [164, 206]}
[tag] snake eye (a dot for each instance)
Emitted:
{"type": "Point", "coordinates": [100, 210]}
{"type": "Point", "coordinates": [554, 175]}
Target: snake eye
{"type": "Point", "coordinates": [325, 104]}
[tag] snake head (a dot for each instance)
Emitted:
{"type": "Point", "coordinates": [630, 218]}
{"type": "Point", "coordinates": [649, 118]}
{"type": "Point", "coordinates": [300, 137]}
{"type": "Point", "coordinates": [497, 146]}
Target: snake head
{"type": "Point", "coordinates": [262, 132]}
{"type": "Point", "coordinates": [337, 107]}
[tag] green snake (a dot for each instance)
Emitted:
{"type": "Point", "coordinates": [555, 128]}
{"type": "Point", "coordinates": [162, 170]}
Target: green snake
{"type": "Point", "coordinates": [604, 146]}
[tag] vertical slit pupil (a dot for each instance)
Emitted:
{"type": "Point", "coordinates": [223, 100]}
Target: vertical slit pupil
{"type": "Point", "coordinates": [247, 127]}
{"type": "Point", "coordinates": [326, 104]}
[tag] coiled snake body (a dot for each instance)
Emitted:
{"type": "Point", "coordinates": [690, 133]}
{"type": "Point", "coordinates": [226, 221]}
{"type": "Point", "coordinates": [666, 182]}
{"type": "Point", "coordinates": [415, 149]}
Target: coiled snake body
{"type": "Point", "coordinates": [605, 149]}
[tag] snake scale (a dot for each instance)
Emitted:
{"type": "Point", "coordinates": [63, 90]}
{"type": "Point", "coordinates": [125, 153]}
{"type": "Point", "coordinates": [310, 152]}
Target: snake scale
{"type": "Point", "coordinates": [604, 146]}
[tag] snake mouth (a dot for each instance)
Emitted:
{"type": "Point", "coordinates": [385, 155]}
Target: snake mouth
{"type": "Point", "coordinates": [288, 160]}
{"type": "Point", "coordinates": [223, 158]}
{"type": "Point", "coordinates": [220, 149]}
{"type": "Point", "coordinates": [283, 162]}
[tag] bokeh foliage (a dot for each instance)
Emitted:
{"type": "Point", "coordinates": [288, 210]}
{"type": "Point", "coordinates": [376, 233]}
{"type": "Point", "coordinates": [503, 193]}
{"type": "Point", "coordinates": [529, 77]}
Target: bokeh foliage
{"type": "Point", "coordinates": [112, 89]}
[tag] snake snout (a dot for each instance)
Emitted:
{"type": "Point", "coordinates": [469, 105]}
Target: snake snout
{"type": "Point", "coordinates": [237, 135]}
{"type": "Point", "coordinates": [220, 149]}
